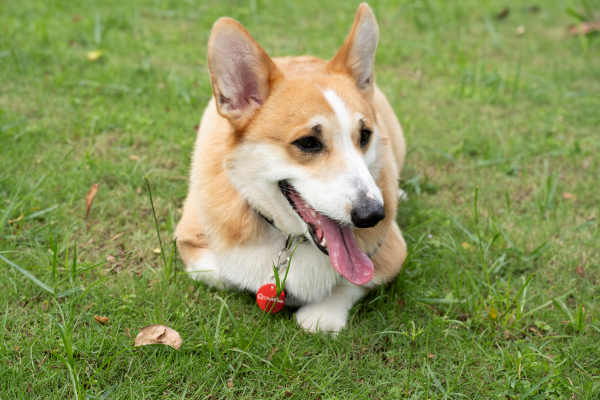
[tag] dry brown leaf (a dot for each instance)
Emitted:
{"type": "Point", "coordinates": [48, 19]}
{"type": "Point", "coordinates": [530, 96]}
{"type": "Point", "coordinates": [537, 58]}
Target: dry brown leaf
{"type": "Point", "coordinates": [506, 334]}
{"type": "Point", "coordinates": [133, 157]}
{"type": "Point", "coordinates": [110, 258]}
{"type": "Point", "coordinates": [580, 271]}
{"type": "Point", "coordinates": [503, 14]}
{"type": "Point", "coordinates": [45, 305]}
{"type": "Point", "coordinates": [273, 350]}
{"type": "Point", "coordinates": [430, 355]}
{"type": "Point", "coordinates": [288, 393]}
{"type": "Point", "coordinates": [158, 334]}
{"type": "Point", "coordinates": [101, 320]}
{"type": "Point", "coordinates": [229, 384]}
{"type": "Point", "coordinates": [89, 198]}
{"type": "Point", "coordinates": [361, 380]}
{"type": "Point", "coordinates": [401, 303]}
{"type": "Point", "coordinates": [127, 333]}
{"type": "Point", "coordinates": [569, 196]}
{"type": "Point", "coordinates": [585, 27]}
{"type": "Point", "coordinates": [138, 190]}
{"type": "Point", "coordinates": [16, 348]}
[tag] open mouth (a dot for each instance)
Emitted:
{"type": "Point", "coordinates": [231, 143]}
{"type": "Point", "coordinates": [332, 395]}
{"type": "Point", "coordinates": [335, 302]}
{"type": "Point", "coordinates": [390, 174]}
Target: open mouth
{"type": "Point", "coordinates": [333, 239]}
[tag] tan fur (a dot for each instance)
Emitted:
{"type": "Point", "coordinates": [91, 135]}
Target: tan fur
{"type": "Point", "coordinates": [216, 216]}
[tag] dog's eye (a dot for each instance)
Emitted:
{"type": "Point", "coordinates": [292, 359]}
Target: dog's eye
{"type": "Point", "coordinates": [365, 135]}
{"type": "Point", "coordinates": [308, 143]}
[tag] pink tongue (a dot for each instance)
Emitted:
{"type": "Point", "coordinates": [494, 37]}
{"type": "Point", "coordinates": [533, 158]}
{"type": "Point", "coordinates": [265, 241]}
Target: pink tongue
{"type": "Point", "coordinates": [345, 255]}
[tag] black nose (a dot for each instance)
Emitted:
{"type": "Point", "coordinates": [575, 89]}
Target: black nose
{"type": "Point", "coordinates": [367, 213]}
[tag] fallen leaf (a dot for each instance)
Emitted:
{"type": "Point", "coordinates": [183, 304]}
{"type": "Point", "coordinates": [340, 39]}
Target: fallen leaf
{"type": "Point", "coordinates": [273, 350]}
{"type": "Point", "coordinates": [133, 157]}
{"type": "Point", "coordinates": [580, 271]}
{"type": "Point", "coordinates": [127, 333]}
{"type": "Point", "coordinates": [89, 198]}
{"type": "Point", "coordinates": [430, 355]}
{"type": "Point", "coordinates": [93, 55]}
{"type": "Point", "coordinates": [110, 258]}
{"type": "Point", "coordinates": [16, 348]}
{"type": "Point", "coordinates": [288, 394]}
{"type": "Point", "coordinates": [520, 30]}
{"type": "Point", "coordinates": [361, 380]}
{"type": "Point", "coordinates": [101, 320]}
{"type": "Point", "coordinates": [229, 384]}
{"type": "Point", "coordinates": [507, 334]}
{"type": "Point", "coordinates": [569, 196]}
{"type": "Point", "coordinates": [86, 308]}
{"type": "Point", "coordinates": [503, 14]}
{"type": "Point", "coordinates": [585, 27]}
{"type": "Point", "coordinates": [76, 18]}
{"type": "Point", "coordinates": [45, 305]}
{"type": "Point", "coordinates": [401, 303]}
{"type": "Point", "coordinates": [157, 250]}
{"type": "Point", "coordinates": [533, 329]}
{"type": "Point", "coordinates": [158, 334]}
{"type": "Point", "coordinates": [138, 190]}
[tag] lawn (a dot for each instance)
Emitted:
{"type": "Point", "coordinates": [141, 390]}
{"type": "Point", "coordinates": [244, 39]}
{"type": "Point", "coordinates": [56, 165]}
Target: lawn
{"type": "Point", "coordinates": [499, 297]}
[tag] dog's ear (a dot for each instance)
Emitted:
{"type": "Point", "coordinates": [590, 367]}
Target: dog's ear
{"type": "Point", "coordinates": [241, 72]}
{"type": "Point", "coordinates": [357, 54]}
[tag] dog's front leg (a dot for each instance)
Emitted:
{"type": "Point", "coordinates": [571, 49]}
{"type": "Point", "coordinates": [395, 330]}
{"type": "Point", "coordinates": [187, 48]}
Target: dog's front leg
{"type": "Point", "coordinates": [330, 314]}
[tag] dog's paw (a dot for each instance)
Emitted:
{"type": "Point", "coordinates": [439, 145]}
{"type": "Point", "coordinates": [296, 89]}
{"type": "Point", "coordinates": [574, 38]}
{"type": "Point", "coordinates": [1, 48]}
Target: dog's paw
{"type": "Point", "coordinates": [208, 271]}
{"type": "Point", "coordinates": [321, 317]}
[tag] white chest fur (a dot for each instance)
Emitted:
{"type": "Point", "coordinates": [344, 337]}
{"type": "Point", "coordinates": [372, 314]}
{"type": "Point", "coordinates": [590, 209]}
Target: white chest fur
{"type": "Point", "coordinates": [310, 278]}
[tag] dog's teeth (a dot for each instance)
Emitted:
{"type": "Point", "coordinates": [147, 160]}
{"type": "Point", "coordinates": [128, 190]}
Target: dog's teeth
{"type": "Point", "coordinates": [314, 214]}
{"type": "Point", "coordinates": [324, 242]}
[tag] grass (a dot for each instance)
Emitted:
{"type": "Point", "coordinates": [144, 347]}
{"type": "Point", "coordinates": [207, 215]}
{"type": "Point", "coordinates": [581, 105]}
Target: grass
{"type": "Point", "coordinates": [498, 298]}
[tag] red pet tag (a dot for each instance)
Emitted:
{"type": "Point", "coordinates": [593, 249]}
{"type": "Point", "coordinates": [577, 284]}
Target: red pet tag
{"type": "Point", "coordinates": [265, 297]}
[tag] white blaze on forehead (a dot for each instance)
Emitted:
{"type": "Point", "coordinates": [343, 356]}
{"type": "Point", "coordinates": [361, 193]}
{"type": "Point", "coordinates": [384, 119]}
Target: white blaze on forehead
{"type": "Point", "coordinates": [356, 163]}
{"type": "Point", "coordinates": [341, 112]}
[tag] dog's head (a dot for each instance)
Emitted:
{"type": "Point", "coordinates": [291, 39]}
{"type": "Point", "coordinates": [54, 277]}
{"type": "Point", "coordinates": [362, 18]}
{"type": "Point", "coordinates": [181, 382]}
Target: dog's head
{"type": "Point", "coordinates": [306, 144]}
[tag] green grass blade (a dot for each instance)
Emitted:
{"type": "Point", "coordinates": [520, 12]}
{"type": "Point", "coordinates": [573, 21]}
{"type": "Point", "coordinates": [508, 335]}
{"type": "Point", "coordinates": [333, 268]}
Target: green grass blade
{"type": "Point", "coordinates": [28, 275]}
{"type": "Point", "coordinates": [162, 251]}
{"type": "Point", "coordinates": [70, 292]}
{"type": "Point", "coordinates": [107, 392]}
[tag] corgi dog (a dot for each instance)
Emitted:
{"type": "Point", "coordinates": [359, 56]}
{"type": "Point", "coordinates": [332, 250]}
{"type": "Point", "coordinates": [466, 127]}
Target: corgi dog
{"type": "Point", "coordinates": [293, 145]}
